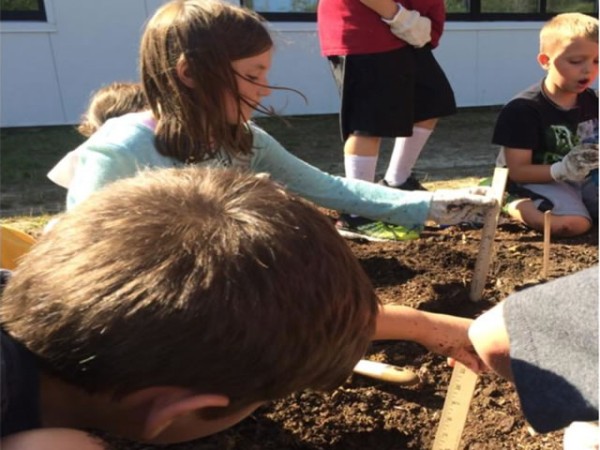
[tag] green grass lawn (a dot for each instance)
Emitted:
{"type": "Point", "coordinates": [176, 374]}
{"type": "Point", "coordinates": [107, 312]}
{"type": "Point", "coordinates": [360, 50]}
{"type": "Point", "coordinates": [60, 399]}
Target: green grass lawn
{"type": "Point", "coordinates": [27, 154]}
{"type": "Point", "coordinates": [457, 154]}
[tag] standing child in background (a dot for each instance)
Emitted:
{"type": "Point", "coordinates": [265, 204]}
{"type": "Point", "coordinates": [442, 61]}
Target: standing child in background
{"type": "Point", "coordinates": [549, 132]}
{"type": "Point", "coordinates": [170, 305]}
{"type": "Point", "coordinates": [110, 101]}
{"type": "Point", "coordinates": [390, 84]}
{"type": "Point", "coordinates": [204, 68]}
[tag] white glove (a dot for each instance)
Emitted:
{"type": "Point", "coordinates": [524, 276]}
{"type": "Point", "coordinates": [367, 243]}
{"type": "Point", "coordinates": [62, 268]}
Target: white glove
{"type": "Point", "coordinates": [409, 26]}
{"type": "Point", "coordinates": [452, 206]}
{"type": "Point", "coordinates": [576, 164]}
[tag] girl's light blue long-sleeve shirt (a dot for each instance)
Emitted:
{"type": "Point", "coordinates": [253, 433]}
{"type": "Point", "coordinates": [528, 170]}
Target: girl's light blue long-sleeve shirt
{"type": "Point", "coordinates": [125, 145]}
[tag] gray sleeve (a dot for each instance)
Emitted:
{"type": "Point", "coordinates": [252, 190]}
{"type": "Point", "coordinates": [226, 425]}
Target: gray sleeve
{"type": "Point", "coordinates": [553, 332]}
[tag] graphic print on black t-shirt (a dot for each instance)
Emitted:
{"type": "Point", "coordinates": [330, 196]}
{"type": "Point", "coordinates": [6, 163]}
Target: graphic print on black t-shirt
{"type": "Point", "coordinates": [560, 139]}
{"type": "Point", "coordinates": [532, 121]}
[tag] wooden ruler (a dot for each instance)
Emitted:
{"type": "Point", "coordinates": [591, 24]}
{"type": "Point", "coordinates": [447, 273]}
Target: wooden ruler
{"type": "Point", "coordinates": [463, 380]}
{"type": "Point", "coordinates": [456, 408]}
{"type": "Point", "coordinates": [484, 257]}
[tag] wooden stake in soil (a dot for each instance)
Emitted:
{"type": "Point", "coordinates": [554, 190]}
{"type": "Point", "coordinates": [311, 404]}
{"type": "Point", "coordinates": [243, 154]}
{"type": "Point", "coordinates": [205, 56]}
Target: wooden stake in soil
{"type": "Point", "coordinates": [386, 372]}
{"type": "Point", "coordinates": [547, 233]}
{"type": "Point", "coordinates": [488, 232]}
{"type": "Point", "coordinates": [463, 380]}
{"type": "Point", "coordinates": [456, 407]}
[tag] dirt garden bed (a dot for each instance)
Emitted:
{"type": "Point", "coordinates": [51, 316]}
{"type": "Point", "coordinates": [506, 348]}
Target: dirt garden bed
{"type": "Point", "coordinates": [433, 274]}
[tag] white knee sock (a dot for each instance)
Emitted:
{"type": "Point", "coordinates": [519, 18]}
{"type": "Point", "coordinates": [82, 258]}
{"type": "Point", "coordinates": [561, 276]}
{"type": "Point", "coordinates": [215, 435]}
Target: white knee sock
{"type": "Point", "coordinates": [360, 167]}
{"type": "Point", "coordinates": [405, 154]}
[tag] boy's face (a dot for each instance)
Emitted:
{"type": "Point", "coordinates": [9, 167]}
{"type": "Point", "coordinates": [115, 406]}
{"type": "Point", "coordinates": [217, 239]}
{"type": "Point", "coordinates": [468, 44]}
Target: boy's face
{"type": "Point", "coordinates": [572, 65]}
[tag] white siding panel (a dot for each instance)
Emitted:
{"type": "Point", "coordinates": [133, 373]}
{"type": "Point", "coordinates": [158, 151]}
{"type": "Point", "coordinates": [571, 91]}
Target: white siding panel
{"type": "Point", "coordinates": [48, 71]}
{"type": "Point", "coordinates": [508, 64]}
{"type": "Point", "coordinates": [29, 90]}
{"type": "Point", "coordinates": [96, 43]}
{"type": "Point", "coordinates": [298, 64]}
{"type": "Point", "coordinates": [152, 5]}
{"type": "Point", "coordinates": [457, 54]}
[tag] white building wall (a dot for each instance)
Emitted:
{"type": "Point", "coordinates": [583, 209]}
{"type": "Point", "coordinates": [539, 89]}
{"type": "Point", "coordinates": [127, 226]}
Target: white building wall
{"type": "Point", "coordinates": [486, 63]}
{"type": "Point", "coordinates": [47, 71]}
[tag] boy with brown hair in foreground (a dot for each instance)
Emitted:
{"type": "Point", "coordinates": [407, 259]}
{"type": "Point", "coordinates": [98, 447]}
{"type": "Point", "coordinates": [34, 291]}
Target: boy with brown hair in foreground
{"type": "Point", "coordinates": [170, 305]}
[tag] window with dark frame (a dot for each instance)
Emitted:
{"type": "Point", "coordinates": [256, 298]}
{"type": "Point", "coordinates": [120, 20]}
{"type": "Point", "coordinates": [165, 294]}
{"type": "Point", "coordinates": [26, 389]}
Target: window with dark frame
{"type": "Point", "coordinates": [23, 10]}
{"type": "Point", "coordinates": [457, 10]}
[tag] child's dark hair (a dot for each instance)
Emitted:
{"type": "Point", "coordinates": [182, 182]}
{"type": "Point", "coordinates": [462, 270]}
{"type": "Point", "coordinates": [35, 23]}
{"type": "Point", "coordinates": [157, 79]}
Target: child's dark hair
{"type": "Point", "coordinates": [110, 101]}
{"type": "Point", "coordinates": [210, 279]}
{"type": "Point", "coordinates": [207, 35]}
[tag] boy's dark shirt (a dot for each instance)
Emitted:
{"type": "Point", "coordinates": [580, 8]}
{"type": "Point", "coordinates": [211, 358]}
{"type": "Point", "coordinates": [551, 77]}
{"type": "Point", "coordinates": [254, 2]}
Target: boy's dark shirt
{"type": "Point", "coordinates": [532, 121]}
{"type": "Point", "coordinates": [554, 350]}
{"type": "Point", "coordinates": [20, 400]}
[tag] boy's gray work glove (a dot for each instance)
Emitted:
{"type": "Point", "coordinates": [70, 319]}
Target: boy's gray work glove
{"type": "Point", "coordinates": [576, 164]}
{"type": "Point", "coordinates": [452, 206]}
{"type": "Point", "coordinates": [409, 26]}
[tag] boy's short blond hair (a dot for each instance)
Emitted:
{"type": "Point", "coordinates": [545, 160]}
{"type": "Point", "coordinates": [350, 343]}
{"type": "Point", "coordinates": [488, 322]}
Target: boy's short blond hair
{"type": "Point", "coordinates": [567, 26]}
{"type": "Point", "coordinates": [210, 279]}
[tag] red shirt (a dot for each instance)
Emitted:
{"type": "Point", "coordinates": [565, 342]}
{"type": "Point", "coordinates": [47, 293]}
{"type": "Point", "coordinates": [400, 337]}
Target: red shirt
{"type": "Point", "coordinates": [347, 27]}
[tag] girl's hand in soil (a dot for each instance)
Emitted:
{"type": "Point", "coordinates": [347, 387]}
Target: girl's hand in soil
{"type": "Point", "coordinates": [440, 333]}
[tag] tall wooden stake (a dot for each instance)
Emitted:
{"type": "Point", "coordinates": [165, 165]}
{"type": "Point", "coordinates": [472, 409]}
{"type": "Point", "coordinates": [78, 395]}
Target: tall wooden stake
{"type": "Point", "coordinates": [547, 233]}
{"type": "Point", "coordinates": [462, 382]}
{"type": "Point", "coordinates": [488, 232]}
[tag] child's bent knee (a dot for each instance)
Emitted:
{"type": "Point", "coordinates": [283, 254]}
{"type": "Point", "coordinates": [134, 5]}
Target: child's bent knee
{"type": "Point", "coordinates": [570, 226]}
{"type": "Point", "coordinates": [525, 211]}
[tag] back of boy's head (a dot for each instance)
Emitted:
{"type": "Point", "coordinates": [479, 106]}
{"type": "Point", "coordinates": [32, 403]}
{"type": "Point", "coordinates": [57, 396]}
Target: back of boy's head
{"type": "Point", "coordinates": [565, 27]}
{"type": "Point", "coordinates": [110, 101]}
{"type": "Point", "coordinates": [214, 280]}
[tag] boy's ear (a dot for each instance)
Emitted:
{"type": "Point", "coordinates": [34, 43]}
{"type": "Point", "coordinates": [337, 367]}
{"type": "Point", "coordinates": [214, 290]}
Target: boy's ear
{"type": "Point", "coordinates": [543, 60]}
{"type": "Point", "coordinates": [162, 405]}
{"type": "Point", "coordinates": [183, 72]}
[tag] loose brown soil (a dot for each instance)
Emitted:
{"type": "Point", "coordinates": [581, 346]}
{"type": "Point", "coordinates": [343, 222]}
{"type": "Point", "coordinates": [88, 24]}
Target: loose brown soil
{"type": "Point", "coordinates": [433, 274]}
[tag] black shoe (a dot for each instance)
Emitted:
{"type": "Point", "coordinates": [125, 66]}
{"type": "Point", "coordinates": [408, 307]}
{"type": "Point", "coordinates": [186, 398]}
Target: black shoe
{"type": "Point", "coordinates": [411, 184]}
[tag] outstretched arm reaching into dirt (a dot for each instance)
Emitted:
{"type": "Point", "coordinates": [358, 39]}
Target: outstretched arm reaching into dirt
{"type": "Point", "coordinates": [439, 333]}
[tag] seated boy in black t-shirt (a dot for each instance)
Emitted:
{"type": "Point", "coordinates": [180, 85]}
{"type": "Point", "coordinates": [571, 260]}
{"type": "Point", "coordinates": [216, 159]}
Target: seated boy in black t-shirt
{"type": "Point", "coordinates": [549, 133]}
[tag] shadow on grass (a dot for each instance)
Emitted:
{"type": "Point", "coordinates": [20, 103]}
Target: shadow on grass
{"type": "Point", "coordinates": [457, 154]}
